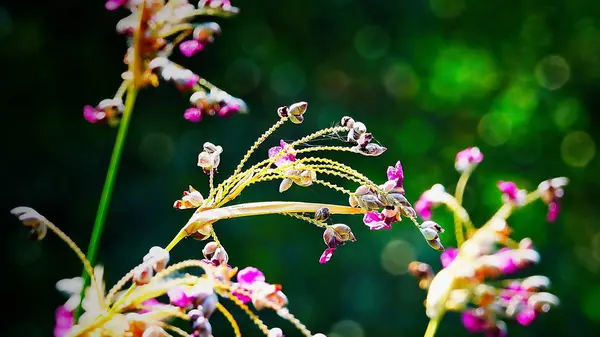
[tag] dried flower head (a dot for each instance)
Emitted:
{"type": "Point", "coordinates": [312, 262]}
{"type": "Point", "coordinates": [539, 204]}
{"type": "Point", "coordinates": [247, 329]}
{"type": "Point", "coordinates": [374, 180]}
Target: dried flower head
{"type": "Point", "coordinates": [475, 276]}
{"type": "Point", "coordinates": [138, 312]}
{"type": "Point", "coordinates": [296, 163]}
{"type": "Point", "coordinates": [154, 28]}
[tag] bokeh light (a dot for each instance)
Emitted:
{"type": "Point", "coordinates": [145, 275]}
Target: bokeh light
{"type": "Point", "coordinates": [347, 328]}
{"type": "Point", "coordinates": [578, 149]}
{"type": "Point", "coordinates": [494, 128]}
{"type": "Point", "coordinates": [400, 81]}
{"type": "Point", "coordinates": [287, 79]}
{"type": "Point", "coordinates": [372, 42]}
{"type": "Point", "coordinates": [156, 150]}
{"type": "Point", "coordinates": [552, 72]}
{"type": "Point", "coordinates": [242, 76]}
{"type": "Point", "coordinates": [447, 8]}
{"type": "Point", "coordinates": [396, 256]}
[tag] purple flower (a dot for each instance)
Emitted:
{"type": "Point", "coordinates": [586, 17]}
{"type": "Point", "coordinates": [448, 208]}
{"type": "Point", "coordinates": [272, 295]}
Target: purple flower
{"type": "Point", "coordinates": [179, 298]}
{"type": "Point", "coordinates": [250, 275]}
{"type": "Point", "coordinates": [190, 47]}
{"type": "Point", "coordinates": [448, 256]}
{"type": "Point", "coordinates": [193, 115]}
{"type": "Point", "coordinates": [526, 316]}
{"type": "Point", "coordinates": [553, 211]}
{"type": "Point", "coordinates": [286, 158]}
{"type": "Point", "coordinates": [92, 114]}
{"type": "Point", "coordinates": [376, 221]}
{"type": "Point", "coordinates": [64, 321]}
{"type": "Point", "coordinates": [473, 322]}
{"type": "Point", "coordinates": [468, 158]}
{"type": "Point", "coordinates": [111, 5]}
{"type": "Point", "coordinates": [246, 278]}
{"type": "Point", "coordinates": [326, 256]}
{"type": "Point", "coordinates": [396, 173]}
{"type": "Point", "coordinates": [511, 193]}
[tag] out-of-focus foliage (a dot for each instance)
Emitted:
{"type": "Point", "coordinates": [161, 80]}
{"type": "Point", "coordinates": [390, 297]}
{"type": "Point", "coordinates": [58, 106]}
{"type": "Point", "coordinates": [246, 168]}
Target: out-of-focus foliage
{"type": "Point", "coordinates": [519, 79]}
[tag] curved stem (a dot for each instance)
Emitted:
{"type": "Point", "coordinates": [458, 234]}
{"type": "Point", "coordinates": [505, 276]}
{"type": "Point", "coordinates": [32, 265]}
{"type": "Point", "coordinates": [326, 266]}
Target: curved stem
{"type": "Point", "coordinates": [458, 195]}
{"type": "Point", "coordinates": [432, 327]}
{"type": "Point", "coordinates": [108, 188]}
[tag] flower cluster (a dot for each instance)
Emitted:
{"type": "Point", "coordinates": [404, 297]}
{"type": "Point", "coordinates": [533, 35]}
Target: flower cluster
{"type": "Point", "coordinates": [154, 28]}
{"type": "Point", "coordinates": [474, 280]}
{"type": "Point", "coordinates": [138, 312]}
{"type": "Point", "coordinates": [296, 163]}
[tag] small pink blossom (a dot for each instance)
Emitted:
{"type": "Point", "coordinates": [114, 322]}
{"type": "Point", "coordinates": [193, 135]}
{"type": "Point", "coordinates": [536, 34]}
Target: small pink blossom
{"type": "Point", "coordinates": [376, 221]}
{"type": "Point", "coordinates": [111, 5]}
{"type": "Point", "coordinates": [396, 173]}
{"type": "Point", "coordinates": [179, 298]}
{"type": "Point", "coordinates": [190, 47]}
{"type": "Point", "coordinates": [326, 256]}
{"type": "Point", "coordinates": [511, 193]}
{"type": "Point", "coordinates": [249, 275]}
{"type": "Point", "coordinates": [193, 115]}
{"type": "Point", "coordinates": [553, 211]}
{"type": "Point", "coordinates": [424, 208]}
{"type": "Point", "coordinates": [429, 199]}
{"type": "Point", "coordinates": [472, 322]}
{"type": "Point", "coordinates": [526, 316]}
{"type": "Point", "coordinates": [288, 157]}
{"type": "Point", "coordinates": [64, 321]}
{"type": "Point", "coordinates": [448, 256]}
{"type": "Point", "coordinates": [468, 158]}
{"type": "Point", "coordinates": [148, 305]}
{"type": "Point", "coordinates": [92, 114]}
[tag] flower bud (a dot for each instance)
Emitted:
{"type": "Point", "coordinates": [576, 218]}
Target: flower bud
{"type": "Point", "coordinates": [370, 202]}
{"type": "Point", "coordinates": [348, 122]}
{"type": "Point", "coordinates": [332, 238]}
{"type": "Point", "coordinates": [362, 190]}
{"type": "Point", "coordinates": [322, 214]}
{"type": "Point", "coordinates": [536, 283]}
{"type": "Point", "coordinates": [543, 302]}
{"type": "Point", "coordinates": [359, 128]}
{"type": "Point", "coordinates": [353, 201]}
{"type": "Point", "coordinates": [209, 250]}
{"type": "Point", "coordinates": [159, 256]}
{"type": "Point", "coordinates": [298, 109]}
{"type": "Point", "coordinates": [142, 274]}
{"type": "Point", "coordinates": [365, 139]}
{"type": "Point", "coordinates": [209, 305]}
{"type": "Point", "coordinates": [282, 111]}
{"type": "Point", "coordinates": [202, 327]}
{"type": "Point", "coordinates": [422, 272]}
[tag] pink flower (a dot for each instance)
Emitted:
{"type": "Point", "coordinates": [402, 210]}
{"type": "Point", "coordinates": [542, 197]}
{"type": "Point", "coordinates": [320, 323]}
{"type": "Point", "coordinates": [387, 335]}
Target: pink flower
{"type": "Point", "coordinates": [396, 173]}
{"type": "Point", "coordinates": [468, 158]}
{"type": "Point", "coordinates": [92, 114]}
{"type": "Point", "coordinates": [526, 316]}
{"type": "Point", "coordinates": [179, 298]}
{"type": "Point", "coordinates": [473, 322]}
{"type": "Point", "coordinates": [288, 157]}
{"type": "Point", "coordinates": [249, 275]}
{"type": "Point", "coordinates": [553, 211]}
{"type": "Point", "coordinates": [193, 115]}
{"type": "Point", "coordinates": [448, 256]}
{"type": "Point", "coordinates": [64, 321]}
{"type": "Point", "coordinates": [326, 256]}
{"type": "Point", "coordinates": [376, 221]}
{"type": "Point", "coordinates": [190, 47]}
{"type": "Point", "coordinates": [111, 5]}
{"type": "Point", "coordinates": [551, 192]}
{"type": "Point", "coordinates": [148, 305]}
{"type": "Point", "coordinates": [246, 278]}
{"type": "Point", "coordinates": [511, 193]}
{"type": "Point", "coordinates": [430, 198]}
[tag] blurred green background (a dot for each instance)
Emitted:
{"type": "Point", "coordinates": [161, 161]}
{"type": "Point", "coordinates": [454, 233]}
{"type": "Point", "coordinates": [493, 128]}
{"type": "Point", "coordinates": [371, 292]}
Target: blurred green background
{"type": "Point", "coordinates": [519, 79]}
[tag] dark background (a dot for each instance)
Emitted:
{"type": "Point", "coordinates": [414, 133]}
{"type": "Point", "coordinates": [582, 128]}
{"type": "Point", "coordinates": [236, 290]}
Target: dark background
{"type": "Point", "coordinates": [519, 79]}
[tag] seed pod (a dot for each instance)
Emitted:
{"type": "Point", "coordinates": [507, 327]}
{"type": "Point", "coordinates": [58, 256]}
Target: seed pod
{"type": "Point", "coordinates": [409, 212]}
{"type": "Point", "coordinates": [298, 109]}
{"type": "Point", "coordinates": [348, 122]}
{"type": "Point", "coordinates": [199, 236]}
{"type": "Point", "coordinates": [285, 185]}
{"type": "Point", "coordinates": [370, 149]}
{"type": "Point", "coordinates": [344, 232]}
{"type": "Point", "coordinates": [353, 201]}
{"type": "Point", "coordinates": [296, 119]}
{"type": "Point", "coordinates": [362, 190]}
{"type": "Point", "coordinates": [370, 202]}
{"type": "Point", "coordinates": [322, 214]}
{"type": "Point", "coordinates": [388, 185]}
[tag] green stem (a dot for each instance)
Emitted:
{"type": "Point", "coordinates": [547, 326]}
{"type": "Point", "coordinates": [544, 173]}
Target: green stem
{"type": "Point", "coordinates": [432, 327]}
{"type": "Point", "coordinates": [107, 189]}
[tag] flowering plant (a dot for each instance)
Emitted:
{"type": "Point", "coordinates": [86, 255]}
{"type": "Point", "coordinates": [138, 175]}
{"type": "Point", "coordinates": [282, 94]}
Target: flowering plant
{"type": "Point", "coordinates": [471, 279]}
